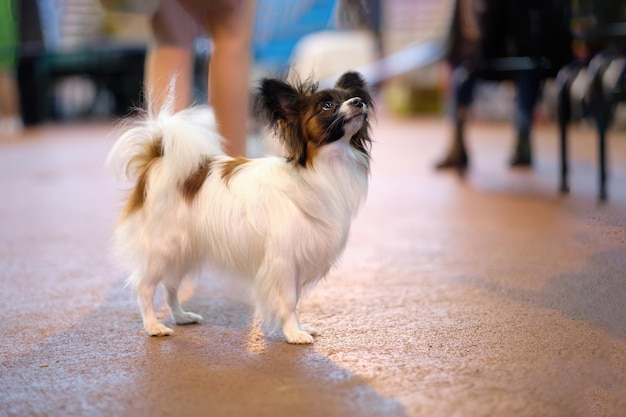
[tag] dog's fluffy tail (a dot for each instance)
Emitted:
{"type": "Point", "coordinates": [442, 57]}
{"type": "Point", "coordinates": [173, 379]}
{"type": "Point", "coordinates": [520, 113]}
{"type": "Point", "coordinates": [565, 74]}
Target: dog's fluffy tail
{"type": "Point", "coordinates": [180, 141]}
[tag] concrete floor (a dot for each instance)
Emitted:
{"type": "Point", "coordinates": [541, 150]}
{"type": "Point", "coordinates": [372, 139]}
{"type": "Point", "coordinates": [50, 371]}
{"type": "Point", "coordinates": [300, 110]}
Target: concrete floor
{"type": "Point", "coordinates": [488, 296]}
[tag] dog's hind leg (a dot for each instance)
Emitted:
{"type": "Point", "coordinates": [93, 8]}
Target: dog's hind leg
{"type": "Point", "coordinates": [178, 314]}
{"type": "Point", "coordinates": [146, 287]}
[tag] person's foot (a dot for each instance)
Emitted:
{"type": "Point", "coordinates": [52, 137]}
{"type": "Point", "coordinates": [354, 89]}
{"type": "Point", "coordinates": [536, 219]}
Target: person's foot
{"type": "Point", "coordinates": [456, 158]}
{"type": "Point", "coordinates": [521, 160]}
{"type": "Point", "coordinates": [523, 153]}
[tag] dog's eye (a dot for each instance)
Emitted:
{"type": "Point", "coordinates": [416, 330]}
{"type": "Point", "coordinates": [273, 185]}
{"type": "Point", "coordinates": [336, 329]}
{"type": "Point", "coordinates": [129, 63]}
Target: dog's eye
{"type": "Point", "coordinates": [328, 105]}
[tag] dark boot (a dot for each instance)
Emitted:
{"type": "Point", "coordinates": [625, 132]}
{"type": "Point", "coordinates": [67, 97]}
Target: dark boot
{"type": "Point", "coordinates": [457, 154]}
{"type": "Point", "coordinates": [523, 153]}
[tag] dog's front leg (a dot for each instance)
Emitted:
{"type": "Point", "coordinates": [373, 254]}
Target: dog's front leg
{"type": "Point", "coordinates": [294, 333]}
{"type": "Point", "coordinates": [309, 329]}
{"type": "Point", "coordinates": [277, 297]}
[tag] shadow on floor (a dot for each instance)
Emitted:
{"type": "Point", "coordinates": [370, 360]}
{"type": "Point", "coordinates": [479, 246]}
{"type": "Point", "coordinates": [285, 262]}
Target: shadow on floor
{"type": "Point", "coordinates": [594, 294]}
{"type": "Point", "coordinates": [105, 365]}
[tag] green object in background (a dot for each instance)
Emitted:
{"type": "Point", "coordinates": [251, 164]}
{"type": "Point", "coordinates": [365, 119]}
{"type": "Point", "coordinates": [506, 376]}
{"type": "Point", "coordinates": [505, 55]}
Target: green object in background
{"type": "Point", "coordinates": [409, 100]}
{"type": "Point", "coordinates": [8, 33]}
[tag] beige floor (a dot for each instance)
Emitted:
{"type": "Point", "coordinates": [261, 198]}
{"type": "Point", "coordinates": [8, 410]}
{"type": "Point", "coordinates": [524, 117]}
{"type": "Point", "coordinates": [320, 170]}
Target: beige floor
{"type": "Point", "coordinates": [488, 296]}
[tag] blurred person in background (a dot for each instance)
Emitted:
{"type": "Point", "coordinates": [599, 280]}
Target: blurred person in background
{"type": "Point", "coordinates": [10, 121]}
{"type": "Point", "coordinates": [483, 30]}
{"type": "Point", "coordinates": [176, 24]}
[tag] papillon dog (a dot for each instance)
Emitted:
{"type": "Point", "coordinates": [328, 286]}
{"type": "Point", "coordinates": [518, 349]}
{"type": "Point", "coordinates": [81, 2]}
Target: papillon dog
{"type": "Point", "coordinates": [279, 222]}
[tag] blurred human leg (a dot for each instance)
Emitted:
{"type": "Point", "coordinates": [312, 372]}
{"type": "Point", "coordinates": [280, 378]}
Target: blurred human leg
{"type": "Point", "coordinates": [230, 24]}
{"type": "Point", "coordinates": [10, 120]}
{"type": "Point", "coordinates": [171, 55]}
{"type": "Point", "coordinates": [462, 94]}
{"type": "Point", "coordinates": [527, 86]}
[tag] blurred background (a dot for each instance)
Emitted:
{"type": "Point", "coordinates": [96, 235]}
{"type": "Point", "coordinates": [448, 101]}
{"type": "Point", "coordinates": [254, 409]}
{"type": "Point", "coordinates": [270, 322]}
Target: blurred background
{"type": "Point", "coordinates": [66, 60]}
{"type": "Point", "coordinates": [487, 295]}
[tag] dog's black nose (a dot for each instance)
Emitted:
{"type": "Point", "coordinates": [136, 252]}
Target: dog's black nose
{"type": "Point", "coordinates": [357, 102]}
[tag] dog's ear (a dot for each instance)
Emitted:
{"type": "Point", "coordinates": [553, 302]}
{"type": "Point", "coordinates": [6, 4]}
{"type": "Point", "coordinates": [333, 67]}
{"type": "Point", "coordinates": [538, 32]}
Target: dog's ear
{"type": "Point", "coordinates": [355, 84]}
{"type": "Point", "coordinates": [350, 80]}
{"type": "Point", "coordinates": [280, 107]}
{"type": "Point", "coordinates": [276, 101]}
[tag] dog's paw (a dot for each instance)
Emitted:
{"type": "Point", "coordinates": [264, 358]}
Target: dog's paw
{"type": "Point", "coordinates": [158, 329]}
{"type": "Point", "coordinates": [309, 329]}
{"type": "Point", "coordinates": [187, 318]}
{"type": "Point", "coordinates": [298, 337]}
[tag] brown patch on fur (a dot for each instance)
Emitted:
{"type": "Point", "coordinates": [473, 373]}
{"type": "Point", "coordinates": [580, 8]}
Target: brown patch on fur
{"type": "Point", "coordinates": [192, 185]}
{"type": "Point", "coordinates": [311, 152]}
{"type": "Point", "coordinates": [140, 167]}
{"type": "Point", "coordinates": [138, 195]}
{"type": "Point", "coordinates": [230, 167]}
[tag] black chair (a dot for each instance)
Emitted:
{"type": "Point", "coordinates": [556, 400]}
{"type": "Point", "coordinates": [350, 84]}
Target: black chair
{"type": "Point", "coordinates": [603, 32]}
{"type": "Point", "coordinates": [513, 36]}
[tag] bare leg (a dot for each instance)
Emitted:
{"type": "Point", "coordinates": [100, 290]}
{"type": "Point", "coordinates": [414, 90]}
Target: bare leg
{"type": "Point", "coordinates": [171, 55]}
{"type": "Point", "coordinates": [162, 64]}
{"type": "Point", "coordinates": [10, 120]}
{"type": "Point", "coordinates": [230, 23]}
{"type": "Point", "coordinates": [8, 95]}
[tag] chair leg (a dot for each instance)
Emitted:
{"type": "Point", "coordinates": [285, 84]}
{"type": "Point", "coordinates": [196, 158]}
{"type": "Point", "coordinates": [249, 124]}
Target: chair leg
{"type": "Point", "coordinates": [602, 195]}
{"type": "Point", "coordinates": [564, 117]}
{"type": "Point", "coordinates": [564, 187]}
{"type": "Point", "coordinates": [564, 82]}
{"type": "Point", "coordinates": [602, 109]}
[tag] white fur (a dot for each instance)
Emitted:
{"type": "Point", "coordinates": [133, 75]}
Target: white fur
{"type": "Point", "coordinates": [279, 225]}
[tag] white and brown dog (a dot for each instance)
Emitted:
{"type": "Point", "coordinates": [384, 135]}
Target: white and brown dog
{"type": "Point", "coordinates": [280, 222]}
